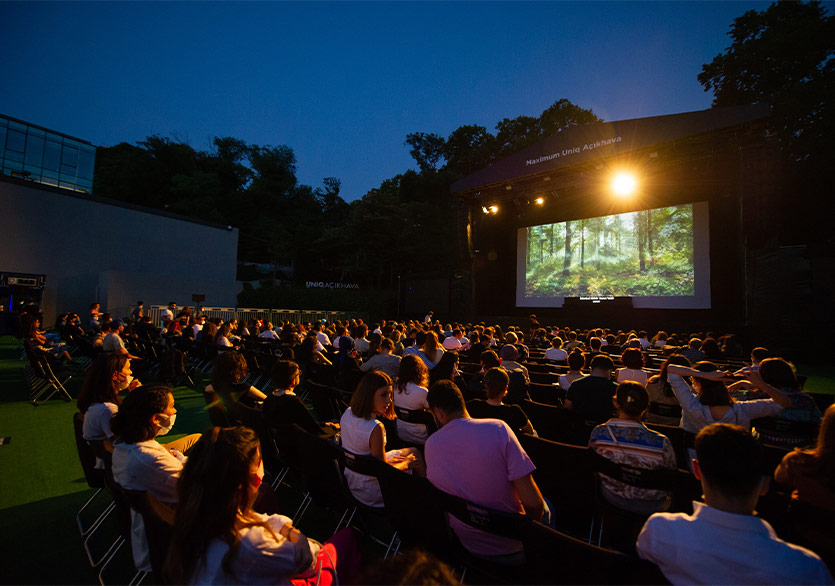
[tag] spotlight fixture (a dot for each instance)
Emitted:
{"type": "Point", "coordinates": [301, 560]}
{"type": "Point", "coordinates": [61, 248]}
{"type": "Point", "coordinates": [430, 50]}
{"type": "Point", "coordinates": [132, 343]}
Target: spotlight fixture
{"type": "Point", "coordinates": [494, 209]}
{"type": "Point", "coordinates": [539, 201]}
{"type": "Point", "coordinates": [485, 210]}
{"type": "Point", "coordinates": [624, 184]}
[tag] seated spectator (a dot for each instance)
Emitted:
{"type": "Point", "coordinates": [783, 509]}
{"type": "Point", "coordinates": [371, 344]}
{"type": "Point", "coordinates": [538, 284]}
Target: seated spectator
{"type": "Point", "coordinates": [35, 339]}
{"type": "Point", "coordinates": [385, 361]}
{"type": "Point", "coordinates": [307, 355]}
{"type": "Point", "coordinates": [480, 460]}
{"type": "Point", "coordinates": [576, 361]}
{"type": "Point", "coordinates": [410, 393]}
{"type": "Point", "coordinates": [625, 440]}
{"type": "Point", "coordinates": [269, 332]}
{"type": "Point", "coordinates": [477, 347]}
{"type": "Point", "coordinates": [692, 352]}
{"type": "Point", "coordinates": [140, 462]}
{"type": "Point", "coordinates": [218, 538]}
{"type": "Point", "coordinates": [454, 342]}
{"type": "Point", "coordinates": [661, 393]}
{"type": "Point", "coordinates": [595, 344]}
{"type": "Point", "coordinates": [361, 344]}
{"type": "Point", "coordinates": [633, 362]}
{"type": "Point", "coordinates": [95, 317]}
{"type": "Point", "coordinates": [113, 342]}
{"type": "Point", "coordinates": [99, 398]}
{"type": "Point", "coordinates": [509, 355]}
{"type": "Point", "coordinates": [227, 382]}
{"type": "Point", "coordinates": [321, 336]}
{"type": "Point", "coordinates": [496, 382]}
{"type": "Point", "coordinates": [555, 352]}
{"type": "Point", "coordinates": [722, 542]}
{"type": "Point", "coordinates": [447, 369]}
{"type": "Point", "coordinates": [515, 339]}
{"type": "Point", "coordinates": [810, 473]}
{"type": "Point", "coordinates": [223, 340]}
{"type": "Point", "coordinates": [710, 348]}
{"type": "Point", "coordinates": [431, 351]}
{"type": "Point", "coordinates": [660, 339]}
{"type": "Point", "coordinates": [592, 397]}
{"type": "Point", "coordinates": [710, 401]}
{"type": "Point", "coordinates": [475, 386]}
{"type": "Point", "coordinates": [283, 406]}
{"type": "Point", "coordinates": [573, 342]}
{"type": "Point", "coordinates": [758, 354]}
{"type": "Point", "coordinates": [803, 409]}
{"type": "Point", "coordinates": [363, 435]}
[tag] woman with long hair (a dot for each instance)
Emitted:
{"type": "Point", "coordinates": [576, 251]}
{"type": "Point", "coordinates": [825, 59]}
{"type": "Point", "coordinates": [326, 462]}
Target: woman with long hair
{"type": "Point", "coordinates": [709, 401]}
{"type": "Point", "coordinates": [218, 538]}
{"type": "Point", "coordinates": [661, 396]}
{"type": "Point", "coordinates": [432, 351]}
{"type": "Point", "coordinates": [625, 440]}
{"type": "Point", "coordinates": [447, 368]}
{"type": "Point", "coordinates": [99, 399]}
{"type": "Point", "coordinates": [223, 338]}
{"type": "Point", "coordinates": [36, 339]}
{"type": "Point", "coordinates": [411, 391]}
{"type": "Point", "coordinates": [362, 434]}
{"type": "Point", "coordinates": [576, 361]}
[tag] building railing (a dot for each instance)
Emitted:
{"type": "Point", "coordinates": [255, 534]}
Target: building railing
{"type": "Point", "coordinates": [247, 314]}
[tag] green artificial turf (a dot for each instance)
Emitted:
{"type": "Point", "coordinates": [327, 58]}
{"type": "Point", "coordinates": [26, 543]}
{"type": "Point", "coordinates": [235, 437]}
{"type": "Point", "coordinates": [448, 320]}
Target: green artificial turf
{"type": "Point", "coordinates": [42, 485]}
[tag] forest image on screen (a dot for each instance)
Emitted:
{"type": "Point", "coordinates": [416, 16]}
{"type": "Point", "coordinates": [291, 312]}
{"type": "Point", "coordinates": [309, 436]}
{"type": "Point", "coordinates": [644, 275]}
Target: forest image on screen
{"type": "Point", "coordinates": [643, 253]}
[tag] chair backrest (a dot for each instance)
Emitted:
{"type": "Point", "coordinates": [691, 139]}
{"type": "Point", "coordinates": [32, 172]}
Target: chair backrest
{"type": "Point", "coordinates": [158, 530]}
{"type": "Point", "coordinates": [318, 463]}
{"type": "Point", "coordinates": [517, 389]}
{"type": "Point", "coordinates": [415, 508]}
{"type": "Point", "coordinates": [86, 455]}
{"type": "Point", "coordinates": [556, 423]}
{"type": "Point", "coordinates": [252, 418]}
{"type": "Point", "coordinates": [326, 401]}
{"type": "Point", "coordinates": [552, 557]}
{"type": "Point", "coordinates": [664, 409]}
{"type": "Point", "coordinates": [421, 416]}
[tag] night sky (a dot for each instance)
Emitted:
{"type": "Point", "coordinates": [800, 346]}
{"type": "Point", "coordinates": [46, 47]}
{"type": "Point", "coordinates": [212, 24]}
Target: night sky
{"type": "Point", "coordinates": [343, 83]}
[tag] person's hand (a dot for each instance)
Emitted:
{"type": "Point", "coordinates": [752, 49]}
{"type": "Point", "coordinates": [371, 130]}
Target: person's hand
{"type": "Point", "coordinates": [133, 384]}
{"type": "Point", "coordinates": [289, 532]}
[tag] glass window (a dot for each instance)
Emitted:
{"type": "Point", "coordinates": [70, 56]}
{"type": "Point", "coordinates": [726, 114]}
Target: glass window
{"type": "Point", "coordinates": [36, 132]}
{"type": "Point", "coordinates": [17, 126]}
{"type": "Point", "coordinates": [13, 156]}
{"type": "Point", "coordinates": [3, 122]}
{"type": "Point", "coordinates": [34, 150]}
{"type": "Point", "coordinates": [46, 173]}
{"type": "Point", "coordinates": [65, 176]}
{"type": "Point", "coordinates": [85, 185]}
{"type": "Point", "coordinates": [11, 166]}
{"type": "Point", "coordinates": [2, 141]}
{"type": "Point", "coordinates": [85, 163]}
{"type": "Point", "coordinates": [69, 156]}
{"type": "Point", "coordinates": [52, 155]}
{"type": "Point", "coordinates": [15, 141]}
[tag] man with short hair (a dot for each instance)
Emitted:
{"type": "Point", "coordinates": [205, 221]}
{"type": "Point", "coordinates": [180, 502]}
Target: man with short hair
{"type": "Point", "coordinates": [592, 396]}
{"type": "Point", "coordinates": [642, 338]}
{"type": "Point", "coordinates": [482, 461]}
{"type": "Point", "coordinates": [321, 336]}
{"type": "Point", "coordinates": [692, 352]}
{"type": "Point", "coordinates": [722, 542]}
{"type": "Point", "coordinates": [453, 342]}
{"type": "Point", "coordinates": [112, 342]}
{"type": "Point", "coordinates": [496, 382]}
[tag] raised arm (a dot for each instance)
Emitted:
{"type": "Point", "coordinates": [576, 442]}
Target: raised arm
{"type": "Point", "coordinates": [776, 394]}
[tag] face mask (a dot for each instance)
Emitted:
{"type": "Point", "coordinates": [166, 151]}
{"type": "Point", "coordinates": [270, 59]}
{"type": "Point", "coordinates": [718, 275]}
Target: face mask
{"type": "Point", "coordinates": [166, 423]}
{"type": "Point", "coordinates": [125, 382]}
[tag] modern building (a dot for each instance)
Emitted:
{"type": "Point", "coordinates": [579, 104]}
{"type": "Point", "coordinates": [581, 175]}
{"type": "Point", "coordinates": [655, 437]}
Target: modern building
{"type": "Point", "coordinates": [35, 153]}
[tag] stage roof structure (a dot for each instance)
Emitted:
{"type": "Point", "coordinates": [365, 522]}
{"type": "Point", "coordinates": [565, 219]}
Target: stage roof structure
{"type": "Point", "coordinates": [545, 165]}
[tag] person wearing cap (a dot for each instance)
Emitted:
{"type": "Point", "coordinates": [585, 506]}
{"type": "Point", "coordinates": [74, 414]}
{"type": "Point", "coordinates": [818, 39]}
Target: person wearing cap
{"type": "Point", "coordinates": [112, 342]}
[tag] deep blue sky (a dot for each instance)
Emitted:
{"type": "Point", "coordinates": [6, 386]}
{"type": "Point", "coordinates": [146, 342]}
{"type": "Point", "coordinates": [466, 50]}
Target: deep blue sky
{"type": "Point", "coordinates": [343, 83]}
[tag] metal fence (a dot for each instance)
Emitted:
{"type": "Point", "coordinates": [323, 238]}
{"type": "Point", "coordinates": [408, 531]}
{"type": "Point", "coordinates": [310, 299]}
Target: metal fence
{"type": "Point", "coordinates": [247, 314]}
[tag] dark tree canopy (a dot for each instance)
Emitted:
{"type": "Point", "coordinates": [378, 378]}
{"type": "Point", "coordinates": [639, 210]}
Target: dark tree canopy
{"type": "Point", "coordinates": [781, 55]}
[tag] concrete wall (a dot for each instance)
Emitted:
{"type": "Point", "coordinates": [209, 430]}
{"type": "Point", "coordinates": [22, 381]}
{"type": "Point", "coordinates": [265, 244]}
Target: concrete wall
{"type": "Point", "coordinates": [91, 249]}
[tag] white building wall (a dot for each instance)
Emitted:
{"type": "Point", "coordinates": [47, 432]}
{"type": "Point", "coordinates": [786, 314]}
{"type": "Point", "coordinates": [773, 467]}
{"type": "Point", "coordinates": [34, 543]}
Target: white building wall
{"type": "Point", "coordinates": [91, 249]}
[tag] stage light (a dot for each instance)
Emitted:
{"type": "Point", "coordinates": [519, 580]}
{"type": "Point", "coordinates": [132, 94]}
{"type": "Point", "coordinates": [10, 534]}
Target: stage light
{"type": "Point", "coordinates": [539, 201]}
{"type": "Point", "coordinates": [624, 184]}
{"type": "Point", "coordinates": [485, 210]}
{"type": "Point", "coordinates": [494, 209]}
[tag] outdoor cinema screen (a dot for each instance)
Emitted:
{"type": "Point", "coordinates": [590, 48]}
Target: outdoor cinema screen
{"type": "Point", "coordinates": [658, 257]}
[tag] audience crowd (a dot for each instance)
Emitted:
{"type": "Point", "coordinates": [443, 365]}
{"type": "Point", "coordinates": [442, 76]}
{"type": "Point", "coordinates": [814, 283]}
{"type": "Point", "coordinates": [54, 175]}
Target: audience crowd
{"type": "Point", "coordinates": [455, 404]}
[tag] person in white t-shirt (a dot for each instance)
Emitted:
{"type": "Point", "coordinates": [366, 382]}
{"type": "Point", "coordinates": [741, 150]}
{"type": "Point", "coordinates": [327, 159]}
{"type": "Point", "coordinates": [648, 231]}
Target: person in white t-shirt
{"type": "Point", "coordinates": [555, 352]}
{"type": "Point", "coordinates": [453, 342]}
{"type": "Point", "coordinates": [269, 332]}
{"type": "Point", "coordinates": [633, 362]}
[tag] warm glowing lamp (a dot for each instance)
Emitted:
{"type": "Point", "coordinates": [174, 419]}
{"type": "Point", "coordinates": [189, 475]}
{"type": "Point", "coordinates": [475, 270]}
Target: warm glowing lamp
{"type": "Point", "coordinates": [624, 184]}
{"type": "Point", "coordinates": [539, 201]}
{"type": "Point", "coordinates": [494, 209]}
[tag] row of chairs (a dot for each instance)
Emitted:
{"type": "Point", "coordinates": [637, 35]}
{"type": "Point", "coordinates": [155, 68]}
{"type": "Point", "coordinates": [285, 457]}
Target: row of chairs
{"type": "Point", "coordinates": [43, 380]}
